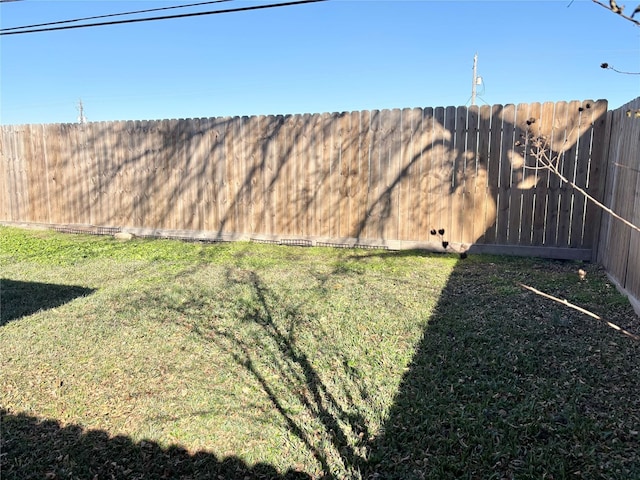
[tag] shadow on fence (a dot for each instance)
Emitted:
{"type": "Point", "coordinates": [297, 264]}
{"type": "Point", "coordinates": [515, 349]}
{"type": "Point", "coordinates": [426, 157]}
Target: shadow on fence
{"type": "Point", "coordinates": [377, 175]}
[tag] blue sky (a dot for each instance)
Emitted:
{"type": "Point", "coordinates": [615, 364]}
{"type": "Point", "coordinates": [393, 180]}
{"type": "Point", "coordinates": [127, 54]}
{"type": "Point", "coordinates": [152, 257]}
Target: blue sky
{"type": "Point", "coordinates": [338, 55]}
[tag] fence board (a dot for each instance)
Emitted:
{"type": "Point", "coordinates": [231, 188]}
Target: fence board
{"type": "Point", "coordinates": [473, 225]}
{"type": "Point", "coordinates": [556, 146]}
{"type": "Point", "coordinates": [632, 284]}
{"type": "Point", "coordinates": [193, 165]}
{"type": "Point", "coordinates": [505, 177]}
{"type": "Point", "coordinates": [581, 177]}
{"type": "Point", "coordinates": [392, 173]}
{"type": "Point", "coordinates": [26, 171]}
{"type": "Point", "coordinates": [219, 190]}
{"type": "Point", "coordinates": [402, 184]}
{"type": "Point", "coordinates": [449, 168]}
{"type": "Point", "coordinates": [324, 174]}
{"type": "Point", "coordinates": [59, 173]}
{"type": "Point", "coordinates": [483, 192]}
{"type": "Point", "coordinates": [5, 182]}
{"type": "Point", "coordinates": [439, 188]}
{"type": "Point", "coordinates": [411, 197]}
{"type": "Point", "coordinates": [79, 192]}
{"type": "Point", "coordinates": [362, 182]}
{"type": "Point", "coordinates": [619, 235]}
{"type": "Point", "coordinates": [257, 159]}
{"type": "Point", "coordinates": [425, 193]}
{"type": "Point", "coordinates": [597, 171]}
{"type": "Point", "coordinates": [344, 152]}
{"type": "Point", "coordinates": [542, 128]}
{"type": "Point", "coordinates": [13, 185]}
{"type": "Point", "coordinates": [516, 167]}
{"type": "Point", "coordinates": [567, 160]}
{"type": "Point", "coordinates": [104, 154]}
{"type": "Point", "coordinates": [458, 172]}
{"type": "Point", "coordinates": [526, 177]}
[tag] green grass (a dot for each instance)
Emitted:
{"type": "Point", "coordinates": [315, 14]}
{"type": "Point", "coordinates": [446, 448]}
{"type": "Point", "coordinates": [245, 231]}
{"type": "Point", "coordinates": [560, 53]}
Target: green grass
{"type": "Point", "coordinates": [153, 358]}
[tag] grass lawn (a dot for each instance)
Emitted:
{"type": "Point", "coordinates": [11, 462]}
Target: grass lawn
{"type": "Point", "coordinates": [163, 359]}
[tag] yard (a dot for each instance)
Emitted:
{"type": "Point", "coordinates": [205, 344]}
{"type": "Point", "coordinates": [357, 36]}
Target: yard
{"type": "Point", "coordinates": [165, 359]}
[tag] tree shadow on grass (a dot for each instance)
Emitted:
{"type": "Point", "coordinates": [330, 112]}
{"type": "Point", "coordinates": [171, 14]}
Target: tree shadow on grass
{"type": "Point", "coordinates": [19, 299]}
{"type": "Point", "coordinates": [38, 449]}
{"type": "Point", "coordinates": [506, 384]}
{"type": "Point", "coordinates": [304, 381]}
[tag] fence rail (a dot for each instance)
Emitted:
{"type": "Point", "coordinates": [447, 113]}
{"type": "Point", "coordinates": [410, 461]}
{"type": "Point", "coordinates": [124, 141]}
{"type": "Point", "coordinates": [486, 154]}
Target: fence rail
{"type": "Point", "coordinates": [369, 176]}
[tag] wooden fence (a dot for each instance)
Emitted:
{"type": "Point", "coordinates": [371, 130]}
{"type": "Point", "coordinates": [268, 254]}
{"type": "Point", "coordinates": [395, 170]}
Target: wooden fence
{"type": "Point", "coordinates": [372, 177]}
{"type": "Point", "coordinates": [619, 248]}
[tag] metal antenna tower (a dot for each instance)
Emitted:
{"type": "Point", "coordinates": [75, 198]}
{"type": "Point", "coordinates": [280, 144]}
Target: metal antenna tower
{"type": "Point", "coordinates": [81, 117]}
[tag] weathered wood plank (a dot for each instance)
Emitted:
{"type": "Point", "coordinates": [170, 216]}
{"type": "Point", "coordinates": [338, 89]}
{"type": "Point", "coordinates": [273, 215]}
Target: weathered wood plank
{"type": "Point", "coordinates": [351, 158]}
{"type": "Point", "coordinates": [370, 221]}
{"type": "Point", "coordinates": [344, 153]}
{"type": "Point", "coordinates": [530, 178]}
{"type": "Point", "coordinates": [426, 162]}
{"type": "Point", "coordinates": [567, 167]}
{"type": "Point", "coordinates": [541, 128]}
{"type": "Point", "coordinates": [384, 201]}
{"type": "Point", "coordinates": [360, 185]}
{"type": "Point", "coordinates": [493, 173]}
{"type": "Point", "coordinates": [504, 230]}
{"type": "Point", "coordinates": [334, 175]}
{"type": "Point", "coordinates": [484, 200]}
{"type": "Point", "coordinates": [439, 184]}
{"type": "Point", "coordinates": [412, 194]}
{"type": "Point", "coordinates": [31, 181]}
{"type": "Point", "coordinates": [257, 168]}
{"type": "Point", "coordinates": [5, 182]}
{"type": "Point", "coordinates": [458, 177]}
{"type": "Point", "coordinates": [581, 175]}
{"type": "Point", "coordinates": [473, 225]}
{"type": "Point", "coordinates": [324, 185]}
{"type": "Point", "coordinates": [449, 169]}
{"type": "Point", "coordinates": [391, 173]}
{"type": "Point", "coordinates": [219, 183]}
{"type": "Point", "coordinates": [231, 170]}
{"type": "Point", "coordinates": [597, 174]}
{"type": "Point", "coordinates": [516, 189]}
{"type": "Point", "coordinates": [632, 283]}
{"type": "Point", "coordinates": [556, 145]}
{"type": "Point", "coordinates": [402, 175]}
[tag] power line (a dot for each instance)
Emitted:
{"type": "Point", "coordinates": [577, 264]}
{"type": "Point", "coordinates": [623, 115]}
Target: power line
{"type": "Point", "coordinates": [165, 17]}
{"type": "Point", "coordinates": [106, 16]}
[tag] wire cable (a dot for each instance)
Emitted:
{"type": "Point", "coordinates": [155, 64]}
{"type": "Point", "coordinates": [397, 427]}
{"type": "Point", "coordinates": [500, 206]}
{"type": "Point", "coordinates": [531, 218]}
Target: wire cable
{"type": "Point", "coordinates": [109, 15]}
{"type": "Point", "coordinates": [165, 17]}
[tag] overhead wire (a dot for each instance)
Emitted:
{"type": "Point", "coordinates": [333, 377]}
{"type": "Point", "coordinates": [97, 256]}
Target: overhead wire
{"type": "Point", "coordinates": [110, 15]}
{"type": "Point", "coordinates": [164, 17]}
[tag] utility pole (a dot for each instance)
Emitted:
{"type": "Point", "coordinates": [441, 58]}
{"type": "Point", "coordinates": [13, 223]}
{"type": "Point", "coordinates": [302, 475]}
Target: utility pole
{"type": "Point", "coordinates": [475, 79]}
{"type": "Point", "coordinates": [81, 118]}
